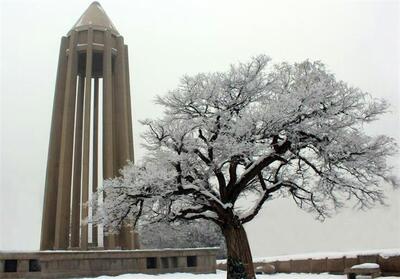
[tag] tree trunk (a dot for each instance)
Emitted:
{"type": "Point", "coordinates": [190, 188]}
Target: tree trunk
{"type": "Point", "coordinates": [240, 261]}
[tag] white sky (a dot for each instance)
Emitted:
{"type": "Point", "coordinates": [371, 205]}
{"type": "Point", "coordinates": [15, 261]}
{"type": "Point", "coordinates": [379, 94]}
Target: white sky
{"type": "Point", "coordinates": [358, 40]}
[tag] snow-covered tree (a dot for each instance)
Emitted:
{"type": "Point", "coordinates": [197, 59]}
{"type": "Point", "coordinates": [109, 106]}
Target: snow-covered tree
{"type": "Point", "coordinates": [183, 234]}
{"type": "Point", "coordinates": [230, 141]}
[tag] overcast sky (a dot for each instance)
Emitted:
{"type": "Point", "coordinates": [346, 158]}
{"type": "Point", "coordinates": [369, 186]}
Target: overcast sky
{"type": "Point", "coordinates": [357, 40]}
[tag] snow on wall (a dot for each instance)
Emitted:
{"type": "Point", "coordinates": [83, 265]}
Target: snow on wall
{"type": "Point", "coordinates": [365, 266]}
{"type": "Point", "coordinates": [384, 253]}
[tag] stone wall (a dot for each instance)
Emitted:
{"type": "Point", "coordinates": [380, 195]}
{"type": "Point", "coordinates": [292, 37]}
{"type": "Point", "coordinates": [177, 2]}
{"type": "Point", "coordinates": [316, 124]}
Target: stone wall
{"type": "Point", "coordinates": [68, 264]}
{"type": "Point", "coordinates": [390, 266]}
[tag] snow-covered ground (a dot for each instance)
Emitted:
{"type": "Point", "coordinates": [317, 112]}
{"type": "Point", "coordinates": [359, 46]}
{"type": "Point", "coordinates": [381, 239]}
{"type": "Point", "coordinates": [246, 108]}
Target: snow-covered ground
{"type": "Point", "coordinates": [222, 275]}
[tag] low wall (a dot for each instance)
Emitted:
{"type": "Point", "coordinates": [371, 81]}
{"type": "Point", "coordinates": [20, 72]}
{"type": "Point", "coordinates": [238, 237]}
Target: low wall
{"type": "Point", "coordinates": [390, 266]}
{"type": "Point", "coordinates": [68, 264]}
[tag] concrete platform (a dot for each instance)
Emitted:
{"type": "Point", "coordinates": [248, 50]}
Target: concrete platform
{"type": "Point", "coordinates": [70, 264]}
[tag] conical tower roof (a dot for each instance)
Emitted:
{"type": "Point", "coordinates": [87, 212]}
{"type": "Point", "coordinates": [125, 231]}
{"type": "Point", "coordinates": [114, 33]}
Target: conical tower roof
{"type": "Point", "coordinates": [95, 16]}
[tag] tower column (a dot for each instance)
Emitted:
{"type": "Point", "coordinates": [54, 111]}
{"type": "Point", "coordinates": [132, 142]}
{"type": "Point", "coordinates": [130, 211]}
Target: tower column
{"type": "Point", "coordinates": [53, 157]}
{"type": "Point", "coordinates": [121, 116]}
{"type": "Point", "coordinates": [95, 151]}
{"type": "Point", "coordinates": [121, 111]}
{"type": "Point", "coordinates": [86, 140]}
{"type": "Point", "coordinates": [65, 169]}
{"type": "Point", "coordinates": [135, 236]}
{"type": "Point", "coordinates": [108, 147]}
{"type": "Point", "coordinates": [76, 186]}
{"type": "Point", "coordinates": [128, 104]}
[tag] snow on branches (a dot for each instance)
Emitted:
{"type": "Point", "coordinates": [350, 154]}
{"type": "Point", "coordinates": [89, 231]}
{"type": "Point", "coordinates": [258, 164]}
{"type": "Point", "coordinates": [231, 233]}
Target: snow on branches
{"type": "Point", "coordinates": [257, 129]}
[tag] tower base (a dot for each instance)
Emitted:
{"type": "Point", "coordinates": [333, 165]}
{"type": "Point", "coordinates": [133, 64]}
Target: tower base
{"type": "Point", "coordinates": [73, 264]}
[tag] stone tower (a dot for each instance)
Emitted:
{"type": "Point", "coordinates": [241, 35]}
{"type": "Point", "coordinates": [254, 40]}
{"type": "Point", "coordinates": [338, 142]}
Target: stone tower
{"type": "Point", "coordinates": [91, 132]}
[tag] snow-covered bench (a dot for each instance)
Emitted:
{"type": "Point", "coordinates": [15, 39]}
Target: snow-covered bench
{"type": "Point", "coordinates": [371, 269]}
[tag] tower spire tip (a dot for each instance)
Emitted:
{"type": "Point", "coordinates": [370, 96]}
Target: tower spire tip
{"type": "Point", "coordinates": [95, 16]}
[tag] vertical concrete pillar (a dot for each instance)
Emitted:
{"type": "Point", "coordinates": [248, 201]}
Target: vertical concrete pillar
{"type": "Point", "coordinates": [53, 157]}
{"type": "Point", "coordinates": [134, 234]}
{"type": "Point", "coordinates": [95, 151]}
{"type": "Point", "coordinates": [76, 186]}
{"type": "Point", "coordinates": [23, 266]}
{"type": "Point", "coordinates": [86, 140]}
{"type": "Point", "coordinates": [182, 262]}
{"type": "Point", "coordinates": [128, 104]}
{"type": "Point", "coordinates": [65, 168]}
{"type": "Point", "coordinates": [108, 156]}
{"type": "Point", "coordinates": [136, 240]}
{"type": "Point", "coordinates": [115, 120]}
{"type": "Point", "coordinates": [121, 131]}
{"type": "Point", "coordinates": [121, 106]}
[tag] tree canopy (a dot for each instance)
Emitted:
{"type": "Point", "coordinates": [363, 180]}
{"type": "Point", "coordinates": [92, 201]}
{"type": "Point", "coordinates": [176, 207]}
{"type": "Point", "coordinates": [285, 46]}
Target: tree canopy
{"type": "Point", "coordinates": [254, 133]}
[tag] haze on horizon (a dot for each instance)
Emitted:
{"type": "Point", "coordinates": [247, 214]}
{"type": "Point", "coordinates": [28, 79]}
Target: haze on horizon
{"type": "Point", "coordinates": [359, 41]}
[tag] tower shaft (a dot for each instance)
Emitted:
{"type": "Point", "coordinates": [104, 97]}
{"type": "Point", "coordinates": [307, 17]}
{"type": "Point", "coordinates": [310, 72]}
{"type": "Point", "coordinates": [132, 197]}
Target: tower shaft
{"type": "Point", "coordinates": [95, 54]}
